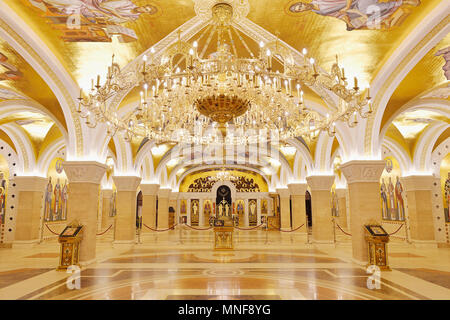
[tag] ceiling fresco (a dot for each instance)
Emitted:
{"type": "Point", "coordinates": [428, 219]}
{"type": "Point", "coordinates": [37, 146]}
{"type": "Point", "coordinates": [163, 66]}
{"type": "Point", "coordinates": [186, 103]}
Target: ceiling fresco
{"type": "Point", "coordinates": [18, 80]}
{"type": "Point", "coordinates": [84, 34]}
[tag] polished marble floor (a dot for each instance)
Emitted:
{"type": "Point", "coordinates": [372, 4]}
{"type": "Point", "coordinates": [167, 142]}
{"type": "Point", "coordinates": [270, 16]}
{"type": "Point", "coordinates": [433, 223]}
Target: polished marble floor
{"type": "Point", "coordinates": [181, 264]}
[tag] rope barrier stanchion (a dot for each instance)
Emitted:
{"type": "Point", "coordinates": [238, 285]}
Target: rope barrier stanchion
{"type": "Point", "coordinates": [401, 226]}
{"type": "Point", "coordinates": [292, 230]}
{"type": "Point", "coordinates": [247, 229]}
{"type": "Point", "coordinates": [164, 230]}
{"type": "Point", "coordinates": [102, 233]}
{"type": "Point", "coordinates": [51, 230]}
{"type": "Point", "coordinates": [198, 229]}
{"type": "Point", "coordinates": [346, 233]}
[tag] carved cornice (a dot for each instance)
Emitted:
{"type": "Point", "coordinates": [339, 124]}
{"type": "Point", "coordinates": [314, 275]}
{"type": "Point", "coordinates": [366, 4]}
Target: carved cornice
{"type": "Point", "coordinates": [283, 193]}
{"type": "Point", "coordinates": [35, 184]}
{"type": "Point", "coordinates": [126, 183]}
{"type": "Point", "coordinates": [320, 183]}
{"type": "Point", "coordinates": [298, 189]}
{"type": "Point", "coordinates": [164, 193]}
{"type": "Point", "coordinates": [363, 170]}
{"type": "Point", "coordinates": [149, 189]}
{"type": "Point", "coordinates": [415, 183]}
{"type": "Point", "coordinates": [84, 171]}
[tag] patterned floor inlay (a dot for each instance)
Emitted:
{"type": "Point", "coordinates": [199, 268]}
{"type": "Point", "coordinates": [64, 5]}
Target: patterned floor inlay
{"type": "Point", "coordinates": [164, 268]}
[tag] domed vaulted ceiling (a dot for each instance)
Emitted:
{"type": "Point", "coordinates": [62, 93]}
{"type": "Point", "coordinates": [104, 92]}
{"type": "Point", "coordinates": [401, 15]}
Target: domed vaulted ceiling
{"type": "Point", "coordinates": [83, 35]}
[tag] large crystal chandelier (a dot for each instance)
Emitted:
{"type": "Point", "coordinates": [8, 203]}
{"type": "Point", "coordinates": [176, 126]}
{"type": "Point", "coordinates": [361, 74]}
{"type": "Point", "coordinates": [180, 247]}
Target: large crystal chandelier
{"type": "Point", "coordinates": [223, 175]}
{"type": "Point", "coordinates": [223, 98]}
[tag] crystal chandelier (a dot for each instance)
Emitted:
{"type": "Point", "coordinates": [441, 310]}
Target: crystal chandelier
{"type": "Point", "coordinates": [223, 98]}
{"type": "Point", "coordinates": [223, 175]}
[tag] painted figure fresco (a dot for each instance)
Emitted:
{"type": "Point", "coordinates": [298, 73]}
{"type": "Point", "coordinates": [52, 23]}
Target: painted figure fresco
{"type": "Point", "coordinates": [263, 206]}
{"type": "Point", "coordinates": [112, 205]}
{"type": "Point", "coordinates": [3, 184]}
{"type": "Point", "coordinates": [48, 216]}
{"type": "Point", "coordinates": [252, 212]}
{"type": "Point", "coordinates": [334, 204]}
{"type": "Point", "coordinates": [92, 20]}
{"type": "Point", "coordinates": [183, 207]}
{"type": "Point", "coordinates": [195, 212]}
{"type": "Point", "coordinates": [393, 205]}
{"type": "Point", "coordinates": [447, 198]}
{"type": "Point", "coordinates": [57, 205]}
{"type": "Point", "coordinates": [12, 72]}
{"type": "Point", "coordinates": [399, 199]}
{"type": "Point", "coordinates": [391, 196]}
{"type": "Point", "coordinates": [384, 204]}
{"type": "Point", "coordinates": [360, 14]}
{"type": "Point", "coordinates": [64, 199]}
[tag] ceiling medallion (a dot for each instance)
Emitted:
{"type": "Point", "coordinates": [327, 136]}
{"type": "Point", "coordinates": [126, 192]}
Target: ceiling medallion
{"type": "Point", "coordinates": [226, 97]}
{"type": "Point", "coordinates": [204, 8]}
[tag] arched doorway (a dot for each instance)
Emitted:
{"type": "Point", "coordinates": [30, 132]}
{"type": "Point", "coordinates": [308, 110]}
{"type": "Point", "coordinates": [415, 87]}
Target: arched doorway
{"type": "Point", "coordinates": [308, 209]}
{"type": "Point", "coordinates": [223, 201]}
{"type": "Point", "coordinates": [139, 202]}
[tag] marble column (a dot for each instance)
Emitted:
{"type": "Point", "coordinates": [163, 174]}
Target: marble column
{"type": "Point", "coordinates": [342, 208]}
{"type": "Point", "coordinates": [322, 223]}
{"type": "Point", "coordinates": [285, 210]}
{"type": "Point", "coordinates": [30, 203]}
{"type": "Point", "coordinates": [106, 208]}
{"type": "Point", "coordinates": [298, 191]}
{"type": "Point", "coordinates": [363, 179]}
{"type": "Point", "coordinates": [84, 188]}
{"type": "Point", "coordinates": [163, 208]}
{"type": "Point", "coordinates": [149, 194]}
{"type": "Point", "coordinates": [125, 227]}
{"type": "Point", "coordinates": [419, 200]}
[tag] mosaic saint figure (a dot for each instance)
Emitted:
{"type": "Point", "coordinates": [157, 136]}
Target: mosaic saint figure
{"type": "Point", "coordinates": [355, 13]}
{"type": "Point", "coordinates": [113, 11]}
{"type": "Point", "coordinates": [391, 193]}
{"type": "Point", "coordinates": [399, 199]}
{"type": "Point", "coordinates": [385, 207]}
{"type": "Point", "coordinates": [220, 209]}
{"type": "Point", "coordinates": [112, 205]}
{"type": "Point", "coordinates": [48, 201]}
{"type": "Point", "coordinates": [57, 204]}
{"type": "Point", "coordinates": [183, 206]}
{"type": "Point", "coordinates": [227, 210]}
{"type": "Point", "coordinates": [2, 197]}
{"type": "Point", "coordinates": [252, 208]}
{"type": "Point", "coordinates": [64, 198]}
{"type": "Point", "coordinates": [2, 204]}
{"type": "Point", "coordinates": [195, 209]}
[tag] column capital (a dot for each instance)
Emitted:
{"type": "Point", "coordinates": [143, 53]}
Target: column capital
{"type": "Point", "coordinates": [363, 170]}
{"type": "Point", "coordinates": [298, 188]}
{"type": "Point", "coordinates": [320, 183]}
{"type": "Point", "coordinates": [164, 192]}
{"type": "Point", "coordinates": [30, 183]}
{"type": "Point", "coordinates": [84, 171]}
{"type": "Point", "coordinates": [417, 182]}
{"type": "Point", "coordinates": [149, 189]}
{"type": "Point", "coordinates": [283, 192]}
{"type": "Point", "coordinates": [126, 183]}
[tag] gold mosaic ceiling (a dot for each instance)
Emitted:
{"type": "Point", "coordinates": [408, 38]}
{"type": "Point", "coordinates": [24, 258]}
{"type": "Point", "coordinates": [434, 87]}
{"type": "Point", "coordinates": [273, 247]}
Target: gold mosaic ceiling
{"type": "Point", "coordinates": [128, 27]}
